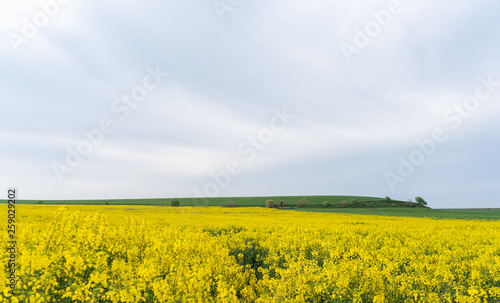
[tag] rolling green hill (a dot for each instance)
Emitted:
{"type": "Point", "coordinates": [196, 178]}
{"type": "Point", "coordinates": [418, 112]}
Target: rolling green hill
{"type": "Point", "coordinates": [364, 205]}
{"type": "Point", "coordinates": [314, 201]}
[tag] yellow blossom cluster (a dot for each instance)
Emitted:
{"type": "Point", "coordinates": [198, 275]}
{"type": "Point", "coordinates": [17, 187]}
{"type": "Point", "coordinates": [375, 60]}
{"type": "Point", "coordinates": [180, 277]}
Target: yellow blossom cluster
{"type": "Point", "coordinates": [214, 254]}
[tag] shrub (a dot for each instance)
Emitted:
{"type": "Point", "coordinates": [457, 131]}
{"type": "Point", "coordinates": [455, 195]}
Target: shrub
{"type": "Point", "coordinates": [40, 202]}
{"type": "Point", "coordinates": [353, 202]}
{"type": "Point", "coordinates": [344, 203]}
{"type": "Point", "coordinates": [175, 202]}
{"type": "Point", "coordinates": [230, 204]}
{"type": "Point", "coordinates": [270, 203]}
{"type": "Point", "coordinates": [387, 198]}
{"type": "Point", "coordinates": [107, 202]}
{"type": "Point", "coordinates": [326, 204]}
{"type": "Point", "coordinates": [283, 203]}
{"type": "Point", "coordinates": [302, 203]}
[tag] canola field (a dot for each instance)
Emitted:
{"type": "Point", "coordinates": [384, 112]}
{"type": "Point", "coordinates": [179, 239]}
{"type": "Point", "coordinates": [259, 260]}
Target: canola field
{"type": "Point", "coordinates": [213, 254]}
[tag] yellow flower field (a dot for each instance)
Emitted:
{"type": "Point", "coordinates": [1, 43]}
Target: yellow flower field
{"type": "Point", "coordinates": [168, 254]}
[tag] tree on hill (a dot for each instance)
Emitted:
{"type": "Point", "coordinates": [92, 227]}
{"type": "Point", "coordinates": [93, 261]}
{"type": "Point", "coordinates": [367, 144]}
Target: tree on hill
{"type": "Point", "coordinates": [420, 201]}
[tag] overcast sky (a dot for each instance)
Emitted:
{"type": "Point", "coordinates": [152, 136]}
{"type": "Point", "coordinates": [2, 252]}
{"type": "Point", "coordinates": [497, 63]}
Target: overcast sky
{"type": "Point", "coordinates": [142, 99]}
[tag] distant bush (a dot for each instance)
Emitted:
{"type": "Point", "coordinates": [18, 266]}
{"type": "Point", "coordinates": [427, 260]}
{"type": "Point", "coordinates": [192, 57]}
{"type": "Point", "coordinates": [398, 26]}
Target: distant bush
{"type": "Point", "coordinates": [40, 202]}
{"type": "Point", "coordinates": [175, 202]}
{"type": "Point", "coordinates": [302, 203]}
{"type": "Point", "coordinates": [353, 202]}
{"type": "Point", "coordinates": [283, 203]}
{"type": "Point", "coordinates": [270, 203]}
{"type": "Point", "coordinates": [230, 204]}
{"type": "Point", "coordinates": [326, 204]}
{"type": "Point", "coordinates": [387, 198]}
{"type": "Point", "coordinates": [107, 202]}
{"type": "Point", "coordinates": [344, 203]}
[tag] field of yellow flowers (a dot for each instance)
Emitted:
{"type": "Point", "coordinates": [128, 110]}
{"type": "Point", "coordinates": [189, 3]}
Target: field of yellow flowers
{"type": "Point", "coordinates": [169, 254]}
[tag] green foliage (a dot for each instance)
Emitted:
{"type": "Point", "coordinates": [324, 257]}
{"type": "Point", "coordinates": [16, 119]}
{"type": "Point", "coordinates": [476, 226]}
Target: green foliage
{"type": "Point", "coordinates": [283, 203]}
{"type": "Point", "coordinates": [387, 198]}
{"type": "Point", "coordinates": [326, 204]}
{"type": "Point", "coordinates": [175, 202]}
{"type": "Point", "coordinates": [344, 203]}
{"type": "Point", "coordinates": [353, 202]}
{"type": "Point", "coordinates": [420, 201]}
{"type": "Point", "coordinates": [302, 203]}
{"type": "Point", "coordinates": [270, 203]}
{"type": "Point", "coordinates": [230, 204]}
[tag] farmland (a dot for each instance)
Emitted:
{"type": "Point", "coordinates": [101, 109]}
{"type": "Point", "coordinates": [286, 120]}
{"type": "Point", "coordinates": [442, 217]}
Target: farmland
{"type": "Point", "coordinates": [365, 206]}
{"type": "Point", "coordinates": [219, 201]}
{"type": "Point", "coordinates": [464, 214]}
{"type": "Point", "coordinates": [110, 253]}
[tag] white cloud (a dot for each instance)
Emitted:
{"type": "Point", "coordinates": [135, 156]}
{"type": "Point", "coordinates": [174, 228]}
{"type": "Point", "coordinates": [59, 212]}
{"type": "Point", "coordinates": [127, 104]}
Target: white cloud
{"type": "Point", "coordinates": [227, 77]}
